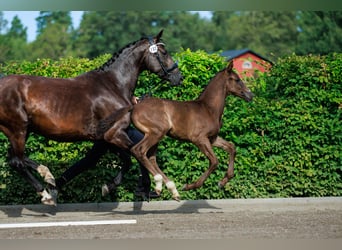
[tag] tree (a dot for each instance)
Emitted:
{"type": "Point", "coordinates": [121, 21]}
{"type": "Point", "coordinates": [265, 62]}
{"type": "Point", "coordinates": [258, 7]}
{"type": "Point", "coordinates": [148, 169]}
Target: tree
{"type": "Point", "coordinates": [265, 32]}
{"type": "Point", "coordinates": [14, 42]}
{"type": "Point", "coordinates": [3, 44]}
{"type": "Point", "coordinates": [17, 29]}
{"type": "Point", "coordinates": [320, 32]}
{"type": "Point", "coordinates": [54, 38]}
{"type": "Point", "coordinates": [46, 18]}
{"type": "Point", "coordinates": [106, 32]}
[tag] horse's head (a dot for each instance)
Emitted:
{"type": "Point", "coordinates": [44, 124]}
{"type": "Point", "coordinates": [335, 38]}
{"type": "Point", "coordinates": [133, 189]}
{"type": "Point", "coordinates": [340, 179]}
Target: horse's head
{"type": "Point", "coordinates": [159, 61]}
{"type": "Point", "coordinates": [235, 85]}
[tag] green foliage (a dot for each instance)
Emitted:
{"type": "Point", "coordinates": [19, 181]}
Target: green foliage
{"type": "Point", "coordinates": [323, 27]}
{"type": "Point", "coordinates": [288, 139]}
{"type": "Point", "coordinates": [272, 34]}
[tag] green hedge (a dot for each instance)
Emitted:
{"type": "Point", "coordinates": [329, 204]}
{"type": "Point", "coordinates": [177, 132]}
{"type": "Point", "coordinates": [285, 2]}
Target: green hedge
{"type": "Point", "coordinates": [288, 139]}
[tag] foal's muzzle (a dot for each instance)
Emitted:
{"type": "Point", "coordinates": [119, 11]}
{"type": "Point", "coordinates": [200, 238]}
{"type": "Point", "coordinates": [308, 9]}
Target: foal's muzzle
{"type": "Point", "coordinates": [248, 96]}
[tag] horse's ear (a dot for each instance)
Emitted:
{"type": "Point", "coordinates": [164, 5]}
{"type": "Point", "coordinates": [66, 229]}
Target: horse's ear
{"type": "Point", "coordinates": [230, 66]}
{"type": "Point", "coordinates": [159, 36]}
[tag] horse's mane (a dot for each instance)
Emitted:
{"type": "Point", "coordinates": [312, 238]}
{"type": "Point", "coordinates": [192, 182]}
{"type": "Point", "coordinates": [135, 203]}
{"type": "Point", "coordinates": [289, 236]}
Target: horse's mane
{"type": "Point", "coordinates": [115, 55]}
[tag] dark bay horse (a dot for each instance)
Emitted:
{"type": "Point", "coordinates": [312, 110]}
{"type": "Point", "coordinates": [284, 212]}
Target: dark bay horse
{"type": "Point", "coordinates": [69, 109]}
{"type": "Point", "coordinates": [197, 121]}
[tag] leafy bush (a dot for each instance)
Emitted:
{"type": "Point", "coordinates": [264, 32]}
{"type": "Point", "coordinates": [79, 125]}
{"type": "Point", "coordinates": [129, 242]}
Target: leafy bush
{"type": "Point", "coordinates": [288, 139]}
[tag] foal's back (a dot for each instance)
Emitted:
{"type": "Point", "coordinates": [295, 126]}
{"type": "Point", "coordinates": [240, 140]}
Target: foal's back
{"type": "Point", "coordinates": [185, 120]}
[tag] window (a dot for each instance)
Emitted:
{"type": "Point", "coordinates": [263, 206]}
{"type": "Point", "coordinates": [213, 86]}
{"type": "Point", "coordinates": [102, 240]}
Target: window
{"type": "Point", "coordinates": [247, 65]}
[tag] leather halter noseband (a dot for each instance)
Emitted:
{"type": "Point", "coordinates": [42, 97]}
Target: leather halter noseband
{"type": "Point", "coordinates": [165, 70]}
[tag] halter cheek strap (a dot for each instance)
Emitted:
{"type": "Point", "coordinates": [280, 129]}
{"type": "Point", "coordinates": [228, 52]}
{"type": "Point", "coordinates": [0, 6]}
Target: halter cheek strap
{"type": "Point", "coordinates": [154, 50]}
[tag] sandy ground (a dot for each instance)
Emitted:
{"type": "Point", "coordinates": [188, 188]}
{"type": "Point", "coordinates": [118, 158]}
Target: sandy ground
{"type": "Point", "coordinates": [298, 218]}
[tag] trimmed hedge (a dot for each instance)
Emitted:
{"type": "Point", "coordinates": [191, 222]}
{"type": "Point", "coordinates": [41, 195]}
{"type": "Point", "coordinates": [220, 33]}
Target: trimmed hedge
{"type": "Point", "coordinates": [288, 139]}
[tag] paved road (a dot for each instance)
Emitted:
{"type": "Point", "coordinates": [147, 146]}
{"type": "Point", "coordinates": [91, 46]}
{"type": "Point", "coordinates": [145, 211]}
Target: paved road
{"type": "Point", "coordinates": [298, 218]}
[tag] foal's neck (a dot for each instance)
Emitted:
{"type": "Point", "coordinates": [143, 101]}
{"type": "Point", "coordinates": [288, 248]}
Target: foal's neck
{"type": "Point", "coordinates": [214, 95]}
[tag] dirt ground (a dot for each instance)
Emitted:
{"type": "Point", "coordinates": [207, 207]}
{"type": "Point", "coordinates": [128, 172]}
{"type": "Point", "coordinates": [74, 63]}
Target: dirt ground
{"type": "Point", "coordinates": [299, 218]}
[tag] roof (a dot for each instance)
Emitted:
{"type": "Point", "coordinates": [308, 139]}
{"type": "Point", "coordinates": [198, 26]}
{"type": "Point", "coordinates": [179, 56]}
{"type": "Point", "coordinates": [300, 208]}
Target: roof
{"type": "Point", "coordinates": [231, 54]}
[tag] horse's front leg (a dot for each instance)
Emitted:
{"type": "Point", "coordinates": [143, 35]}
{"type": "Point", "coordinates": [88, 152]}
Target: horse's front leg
{"type": "Point", "coordinates": [205, 147]}
{"type": "Point", "coordinates": [230, 149]}
{"type": "Point", "coordinates": [126, 165]}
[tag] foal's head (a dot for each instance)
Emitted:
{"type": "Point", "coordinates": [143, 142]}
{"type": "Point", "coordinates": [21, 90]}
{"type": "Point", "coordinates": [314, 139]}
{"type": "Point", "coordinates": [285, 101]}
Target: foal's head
{"type": "Point", "coordinates": [235, 85]}
{"type": "Point", "coordinates": [159, 61]}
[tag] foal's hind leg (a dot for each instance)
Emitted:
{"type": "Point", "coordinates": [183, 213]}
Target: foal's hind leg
{"type": "Point", "coordinates": [147, 146]}
{"type": "Point", "coordinates": [230, 149]}
{"type": "Point", "coordinates": [117, 134]}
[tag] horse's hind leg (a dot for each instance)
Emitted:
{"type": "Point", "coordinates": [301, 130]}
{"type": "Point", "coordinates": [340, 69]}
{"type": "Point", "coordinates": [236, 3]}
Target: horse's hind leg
{"type": "Point", "coordinates": [42, 170]}
{"type": "Point", "coordinates": [48, 178]}
{"type": "Point", "coordinates": [230, 149]}
{"type": "Point", "coordinates": [17, 162]}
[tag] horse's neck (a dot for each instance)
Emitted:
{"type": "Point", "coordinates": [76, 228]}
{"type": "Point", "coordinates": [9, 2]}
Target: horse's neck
{"type": "Point", "coordinates": [125, 67]}
{"type": "Point", "coordinates": [213, 97]}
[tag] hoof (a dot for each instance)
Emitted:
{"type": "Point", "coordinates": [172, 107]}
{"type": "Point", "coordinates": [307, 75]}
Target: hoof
{"type": "Point", "coordinates": [49, 202]}
{"type": "Point", "coordinates": [47, 199]}
{"type": "Point", "coordinates": [105, 190]}
{"type": "Point", "coordinates": [158, 192]}
{"type": "Point", "coordinates": [54, 193]}
{"type": "Point", "coordinates": [176, 198]}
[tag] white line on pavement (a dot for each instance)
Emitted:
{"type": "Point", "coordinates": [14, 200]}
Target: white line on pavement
{"type": "Point", "coordinates": [67, 223]}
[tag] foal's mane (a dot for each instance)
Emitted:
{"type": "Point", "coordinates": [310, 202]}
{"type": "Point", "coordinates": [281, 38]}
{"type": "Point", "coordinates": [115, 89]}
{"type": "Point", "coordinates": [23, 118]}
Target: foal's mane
{"type": "Point", "coordinates": [115, 55]}
{"type": "Point", "coordinates": [208, 84]}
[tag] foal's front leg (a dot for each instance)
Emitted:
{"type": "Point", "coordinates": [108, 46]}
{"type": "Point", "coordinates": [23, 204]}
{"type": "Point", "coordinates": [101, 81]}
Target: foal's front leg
{"type": "Point", "coordinates": [230, 149]}
{"type": "Point", "coordinates": [205, 146]}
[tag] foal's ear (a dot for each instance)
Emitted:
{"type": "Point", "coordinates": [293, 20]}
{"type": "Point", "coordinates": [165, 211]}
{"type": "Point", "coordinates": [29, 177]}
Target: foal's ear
{"type": "Point", "coordinates": [159, 35]}
{"type": "Point", "coordinates": [230, 66]}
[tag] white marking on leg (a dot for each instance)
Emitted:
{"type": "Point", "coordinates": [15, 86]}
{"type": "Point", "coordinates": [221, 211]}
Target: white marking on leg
{"type": "Point", "coordinates": [172, 187]}
{"type": "Point", "coordinates": [47, 199]}
{"type": "Point", "coordinates": [159, 183]}
{"type": "Point", "coordinates": [45, 172]}
{"type": "Point", "coordinates": [105, 190]}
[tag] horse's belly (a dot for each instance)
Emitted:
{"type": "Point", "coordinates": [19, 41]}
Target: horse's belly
{"type": "Point", "coordinates": [64, 128]}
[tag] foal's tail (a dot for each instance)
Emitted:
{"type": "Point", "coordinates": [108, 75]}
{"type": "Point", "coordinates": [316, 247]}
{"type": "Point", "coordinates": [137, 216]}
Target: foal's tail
{"type": "Point", "coordinates": [108, 122]}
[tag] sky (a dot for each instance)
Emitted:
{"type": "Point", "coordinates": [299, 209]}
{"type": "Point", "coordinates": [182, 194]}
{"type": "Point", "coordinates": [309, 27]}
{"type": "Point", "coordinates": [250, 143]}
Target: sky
{"type": "Point", "coordinates": [28, 20]}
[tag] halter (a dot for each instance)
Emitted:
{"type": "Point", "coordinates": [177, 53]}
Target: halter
{"type": "Point", "coordinates": [154, 50]}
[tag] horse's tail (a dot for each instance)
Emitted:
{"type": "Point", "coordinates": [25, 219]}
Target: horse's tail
{"type": "Point", "coordinates": [108, 122]}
